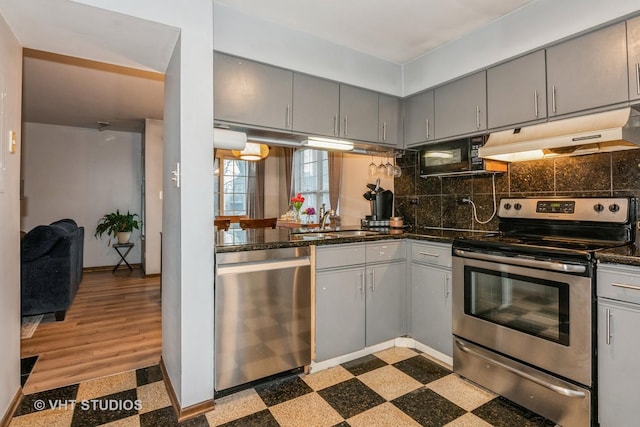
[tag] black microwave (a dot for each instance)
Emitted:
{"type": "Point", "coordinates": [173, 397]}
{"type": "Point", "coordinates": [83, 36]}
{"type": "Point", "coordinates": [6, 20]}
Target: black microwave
{"type": "Point", "coordinates": [458, 156]}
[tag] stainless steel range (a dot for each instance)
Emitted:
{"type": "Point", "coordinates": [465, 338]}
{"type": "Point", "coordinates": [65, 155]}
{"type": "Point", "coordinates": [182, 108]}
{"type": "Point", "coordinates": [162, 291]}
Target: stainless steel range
{"type": "Point", "coordinates": [524, 302]}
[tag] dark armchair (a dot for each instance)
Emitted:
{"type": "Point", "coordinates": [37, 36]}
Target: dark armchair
{"type": "Point", "coordinates": [51, 267]}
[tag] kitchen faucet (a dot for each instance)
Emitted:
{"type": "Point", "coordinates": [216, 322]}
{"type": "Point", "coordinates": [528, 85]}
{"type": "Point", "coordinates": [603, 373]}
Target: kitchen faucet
{"type": "Point", "coordinates": [324, 217]}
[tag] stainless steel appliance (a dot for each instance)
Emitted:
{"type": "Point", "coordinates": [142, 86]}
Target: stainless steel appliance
{"type": "Point", "coordinates": [262, 314]}
{"type": "Point", "coordinates": [524, 302]}
{"type": "Point", "coordinates": [459, 156]}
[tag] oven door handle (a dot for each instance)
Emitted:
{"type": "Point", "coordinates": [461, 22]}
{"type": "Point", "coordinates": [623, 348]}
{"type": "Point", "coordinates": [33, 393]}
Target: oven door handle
{"type": "Point", "coordinates": [525, 262]}
{"type": "Point", "coordinates": [553, 387]}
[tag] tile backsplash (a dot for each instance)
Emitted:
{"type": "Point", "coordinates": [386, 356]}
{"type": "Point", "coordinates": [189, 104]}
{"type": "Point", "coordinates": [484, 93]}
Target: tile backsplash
{"type": "Point", "coordinates": [433, 202]}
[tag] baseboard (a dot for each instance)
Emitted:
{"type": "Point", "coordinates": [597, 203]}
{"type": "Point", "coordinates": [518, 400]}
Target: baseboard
{"type": "Point", "coordinates": [8, 416]}
{"type": "Point", "coordinates": [408, 342]}
{"type": "Point", "coordinates": [189, 412]}
{"type": "Point", "coordinates": [107, 268]}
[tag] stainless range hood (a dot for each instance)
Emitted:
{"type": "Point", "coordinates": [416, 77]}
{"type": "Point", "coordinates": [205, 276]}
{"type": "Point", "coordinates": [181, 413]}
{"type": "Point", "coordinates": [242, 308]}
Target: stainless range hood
{"type": "Point", "coordinates": [596, 133]}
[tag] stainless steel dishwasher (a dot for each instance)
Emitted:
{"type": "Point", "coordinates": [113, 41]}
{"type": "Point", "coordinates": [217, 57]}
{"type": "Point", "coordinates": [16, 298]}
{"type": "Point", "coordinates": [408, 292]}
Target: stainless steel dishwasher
{"type": "Point", "coordinates": [262, 314]}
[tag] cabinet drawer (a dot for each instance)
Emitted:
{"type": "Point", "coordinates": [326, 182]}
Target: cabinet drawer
{"type": "Point", "coordinates": [386, 251]}
{"type": "Point", "coordinates": [620, 283]}
{"type": "Point", "coordinates": [332, 256]}
{"type": "Point", "coordinates": [433, 254]}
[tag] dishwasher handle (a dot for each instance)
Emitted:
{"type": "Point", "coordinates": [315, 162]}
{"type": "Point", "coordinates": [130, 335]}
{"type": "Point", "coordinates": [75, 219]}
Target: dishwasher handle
{"type": "Point", "coordinates": [251, 267]}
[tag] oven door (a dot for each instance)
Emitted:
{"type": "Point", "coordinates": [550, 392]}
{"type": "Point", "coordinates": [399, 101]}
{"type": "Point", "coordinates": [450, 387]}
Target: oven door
{"type": "Point", "coordinates": [538, 312]}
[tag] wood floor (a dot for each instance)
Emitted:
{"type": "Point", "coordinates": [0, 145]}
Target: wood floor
{"type": "Point", "coordinates": [114, 325]}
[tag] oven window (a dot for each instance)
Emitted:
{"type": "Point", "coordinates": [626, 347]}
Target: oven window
{"type": "Point", "coordinates": [534, 306]}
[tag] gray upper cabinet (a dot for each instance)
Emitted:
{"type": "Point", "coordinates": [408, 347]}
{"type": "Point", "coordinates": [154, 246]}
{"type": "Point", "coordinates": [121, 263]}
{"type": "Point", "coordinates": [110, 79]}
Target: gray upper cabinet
{"type": "Point", "coordinates": [460, 106]}
{"type": "Point", "coordinates": [389, 122]}
{"type": "Point", "coordinates": [587, 72]}
{"type": "Point", "coordinates": [358, 113]}
{"type": "Point", "coordinates": [315, 105]}
{"type": "Point", "coordinates": [517, 91]}
{"type": "Point", "coordinates": [633, 46]}
{"type": "Point", "coordinates": [252, 93]}
{"type": "Point", "coordinates": [419, 118]}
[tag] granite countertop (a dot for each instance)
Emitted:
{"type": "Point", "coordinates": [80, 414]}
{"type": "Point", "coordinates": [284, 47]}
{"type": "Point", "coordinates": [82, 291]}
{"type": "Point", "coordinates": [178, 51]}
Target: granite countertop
{"type": "Point", "coordinates": [237, 240]}
{"type": "Point", "coordinates": [629, 255]}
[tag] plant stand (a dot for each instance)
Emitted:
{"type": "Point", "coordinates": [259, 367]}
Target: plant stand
{"type": "Point", "coordinates": [118, 247]}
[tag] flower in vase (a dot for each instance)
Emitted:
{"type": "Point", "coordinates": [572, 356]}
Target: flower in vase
{"type": "Point", "coordinates": [308, 212]}
{"type": "Point", "coordinates": [297, 201]}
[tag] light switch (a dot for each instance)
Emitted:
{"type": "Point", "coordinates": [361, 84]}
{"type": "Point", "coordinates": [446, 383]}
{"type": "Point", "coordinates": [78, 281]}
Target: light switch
{"type": "Point", "coordinates": [12, 142]}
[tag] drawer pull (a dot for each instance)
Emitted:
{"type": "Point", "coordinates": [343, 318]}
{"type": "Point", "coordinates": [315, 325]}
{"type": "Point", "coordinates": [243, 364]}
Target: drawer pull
{"type": "Point", "coordinates": [625, 286]}
{"type": "Point", "coordinates": [429, 254]}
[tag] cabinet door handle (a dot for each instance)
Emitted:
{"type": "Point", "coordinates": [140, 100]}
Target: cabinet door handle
{"type": "Point", "coordinates": [553, 98]}
{"type": "Point", "coordinates": [608, 326]}
{"type": "Point", "coordinates": [478, 116]}
{"type": "Point", "coordinates": [638, 78]}
{"type": "Point", "coordinates": [362, 285]}
{"type": "Point", "coordinates": [335, 125]}
{"type": "Point", "coordinates": [373, 281]}
{"type": "Point", "coordinates": [625, 286]}
{"type": "Point", "coordinates": [286, 119]}
{"type": "Point", "coordinates": [535, 102]}
{"type": "Point", "coordinates": [346, 125]}
{"type": "Point", "coordinates": [446, 287]}
{"type": "Point", "coordinates": [429, 254]}
{"type": "Point", "coordinates": [426, 122]}
{"type": "Point", "coordinates": [384, 131]}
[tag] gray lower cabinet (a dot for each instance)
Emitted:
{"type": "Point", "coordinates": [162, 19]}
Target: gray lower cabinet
{"type": "Point", "coordinates": [358, 113]}
{"type": "Point", "coordinates": [430, 306]}
{"type": "Point", "coordinates": [618, 344]}
{"type": "Point", "coordinates": [315, 105]}
{"type": "Point", "coordinates": [385, 308]}
{"type": "Point", "coordinates": [460, 106]}
{"type": "Point", "coordinates": [360, 296]}
{"type": "Point", "coordinates": [517, 91]}
{"type": "Point", "coordinates": [633, 51]}
{"type": "Point", "coordinates": [419, 118]}
{"type": "Point", "coordinates": [340, 312]}
{"type": "Point", "coordinates": [589, 71]}
{"type": "Point", "coordinates": [389, 121]}
{"type": "Point", "coordinates": [252, 93]}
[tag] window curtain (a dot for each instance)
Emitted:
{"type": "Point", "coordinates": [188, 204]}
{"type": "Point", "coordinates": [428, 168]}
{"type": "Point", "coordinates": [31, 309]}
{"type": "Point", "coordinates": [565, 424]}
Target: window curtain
{"type": "Point", "coordinates": [255, 190]}
{"type": "Point", "coordinates": [335, 179]}
{"type": "Point", "coordinates": [287, 155]}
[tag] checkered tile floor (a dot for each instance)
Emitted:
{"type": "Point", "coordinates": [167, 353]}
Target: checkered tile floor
{"type": "Point", "coordinates": [395, 387]}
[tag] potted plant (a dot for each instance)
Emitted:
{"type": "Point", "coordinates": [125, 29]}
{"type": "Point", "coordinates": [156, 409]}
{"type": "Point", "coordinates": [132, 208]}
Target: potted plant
{"type": "Point", "coordinates": [118, 225]}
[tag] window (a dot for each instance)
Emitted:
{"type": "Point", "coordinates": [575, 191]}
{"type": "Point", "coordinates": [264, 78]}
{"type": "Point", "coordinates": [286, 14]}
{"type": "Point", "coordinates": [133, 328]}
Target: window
{"type": "Point", "coordinates": [231, 185]}
{"type": "Point", "coordinates": [311, 177]}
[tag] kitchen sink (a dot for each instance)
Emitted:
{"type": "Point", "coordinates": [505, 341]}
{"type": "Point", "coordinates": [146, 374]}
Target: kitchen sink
{"type": "Point", "coordinates": [330, 234]}
{"type": "Point", "coordinates": [312, 236]}
{"type": "Point", "coordinates": [353, 233]}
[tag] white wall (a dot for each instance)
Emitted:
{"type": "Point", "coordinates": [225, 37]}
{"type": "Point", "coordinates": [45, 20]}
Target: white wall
{"type": "Point", "coordinates": [354, 207]}
{"type": "Point", "coordinates": [82, 174]}
{"type": "Point", "coordinates": [153, 194]}
{"type": "Point", "coordinates": [10, 107]}
{"type": "Point", "coordinates": [537, 24]}
{"type": "Point", "coordinates": [188, 253]}
{"type": "Point", "coordinates": [249, 37]}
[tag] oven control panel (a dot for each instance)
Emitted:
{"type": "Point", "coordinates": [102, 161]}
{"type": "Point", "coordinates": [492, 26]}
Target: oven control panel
{"type": "Point", "coordinates": [560, 207]}
{"type": "Point", "coordinates": [597, 209]}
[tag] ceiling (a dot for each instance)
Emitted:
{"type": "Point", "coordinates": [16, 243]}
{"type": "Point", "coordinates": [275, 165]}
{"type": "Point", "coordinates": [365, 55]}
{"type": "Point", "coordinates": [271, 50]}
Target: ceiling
{"type": "Point", "coordinates": [394, 30]}
{"type": "Point", "coordinates": [67, 91]}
